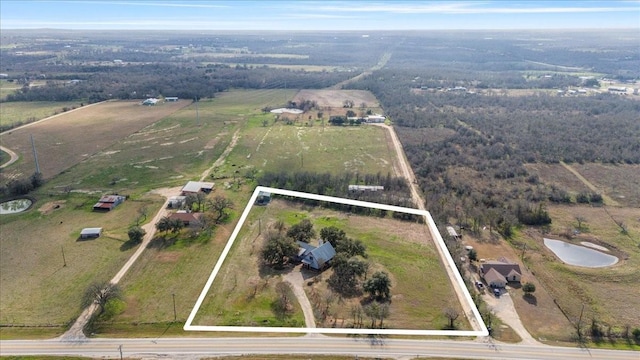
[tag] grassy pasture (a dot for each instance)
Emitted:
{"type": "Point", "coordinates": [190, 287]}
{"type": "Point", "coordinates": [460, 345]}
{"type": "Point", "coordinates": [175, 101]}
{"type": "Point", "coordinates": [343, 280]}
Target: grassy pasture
{"type": "Point", "coordinates": [7, 88]}
{"type": "Point", "coordinates": [68, 139]}
{"type": "Point", "coordinates": [23, 112]}
{"type": "Point", "coordinates": [279, 147]}
{"type": "Point", "coordinates": [574, 286]}
{"type": "Point", "coordinates": [421, 289]}
{"type": "Point", "coordinates": [620, 182]}
{"type": "Point", "coordinates": [37, 289]}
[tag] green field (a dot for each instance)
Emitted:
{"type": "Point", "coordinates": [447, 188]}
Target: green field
{"type": "Point", "coordinates": [37, 288]}
{"type": "Point", "coordinates": [16, 113]}
{"type": "Point", "coordinates": [277, 146]}
{"type": "Point", "coordinates": [421, 289]}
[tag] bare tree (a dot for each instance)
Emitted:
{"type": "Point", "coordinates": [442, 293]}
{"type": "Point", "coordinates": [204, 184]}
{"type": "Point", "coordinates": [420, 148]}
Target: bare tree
{"type": "Point", "coordinates": [451, 314]}
{"type": "Point", "coordinates": [219, 205]}
{"type": "Point", "coordinates": [101, 293]}
{"type": "Point", "coordinates": [580, 220]}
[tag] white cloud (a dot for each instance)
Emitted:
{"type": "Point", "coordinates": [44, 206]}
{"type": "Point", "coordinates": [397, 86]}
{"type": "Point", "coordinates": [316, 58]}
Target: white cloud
{"type": "Point", "coordinates": [153, 4]}
{"type": "Point", "coordinates": [456, 8]}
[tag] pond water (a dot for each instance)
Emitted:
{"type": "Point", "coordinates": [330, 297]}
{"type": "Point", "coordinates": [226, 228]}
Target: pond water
{"type": "Point", "coordinates": [14, 206]}
{"type": "Point", "coordinates": [579, 255]}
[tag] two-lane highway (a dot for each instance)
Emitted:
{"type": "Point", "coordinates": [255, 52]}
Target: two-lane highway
{"type": "Point", "coordinates": [317, 344]}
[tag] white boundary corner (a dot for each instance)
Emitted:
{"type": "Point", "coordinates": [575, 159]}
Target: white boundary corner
{"type": "Point", "coordinates": [476, 318]}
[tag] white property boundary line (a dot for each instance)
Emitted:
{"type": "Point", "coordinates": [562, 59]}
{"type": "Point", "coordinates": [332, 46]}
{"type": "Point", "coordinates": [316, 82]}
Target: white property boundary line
{"type": "Point", "coordinates": [434, 232]}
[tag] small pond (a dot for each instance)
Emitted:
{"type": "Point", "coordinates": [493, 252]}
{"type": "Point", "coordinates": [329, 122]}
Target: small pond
{"type": "Point", "coordinates": [579, 255]}
{"type": "Point", "coordinates": [15, 206]}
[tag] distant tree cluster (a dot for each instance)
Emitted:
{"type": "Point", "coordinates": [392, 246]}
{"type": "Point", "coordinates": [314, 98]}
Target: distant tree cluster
{"type": "Point", "coordinates": [396, 190]}
{"type": "Point", "coordinates": [17, 187]}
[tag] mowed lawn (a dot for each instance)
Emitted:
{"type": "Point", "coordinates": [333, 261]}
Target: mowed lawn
{"type": "Point", "coordinates": [36, 288]}
{"type": "Point", "coordinates": [22, 112]}
{"type": "Point", "coordinates": [243, 290]}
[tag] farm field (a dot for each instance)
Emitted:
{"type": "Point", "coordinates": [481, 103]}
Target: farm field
{"type": "Point", "coordinates": [336, 98]}
{"type": "Point", "coordinates": [7, 88]}
{"type": "Point", "coordinates": [16, 113]}
{"type": "Point", "coordinates": [420, 289]}
{"type": "Point", "coordinates": [29, 228]}
{"type": "Point", "coordinates": [276, 147]}
{"type": "Point", "coordinates": [166, 153]}
{"type": "Point", "coordinates": [66, 140]}
{"type": "Point", "coordinates": [37, 289]}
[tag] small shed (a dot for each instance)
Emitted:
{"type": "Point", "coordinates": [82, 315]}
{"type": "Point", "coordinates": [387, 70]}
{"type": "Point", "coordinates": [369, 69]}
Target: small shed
{"type": "Point", "coordinates": [263, 198]}
{"type": "Point", "coordinates": [452, 232]}
{"type": "Point", "coordinates": [90, 233]}
{"type": "Point", "coordinates": [176, 202]}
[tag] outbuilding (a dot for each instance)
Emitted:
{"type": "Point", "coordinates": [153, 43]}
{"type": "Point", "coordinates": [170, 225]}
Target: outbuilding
{"type": "Point", "coordinates": [90, 233]}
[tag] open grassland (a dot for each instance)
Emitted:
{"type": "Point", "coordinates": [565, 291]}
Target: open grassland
{"type": "Point", "coordinates": [180, 147]}
{"type": "Point", "coordinates": [37, 289]}
{"type": "Point", "coordinates": [334, 149]}
{"type": "Point", "coordinates": [620, 182]}
{"type": "Point", "coordinates": [610, 294]}
{"type": "Point", "coordinates": [420, 288]}
{"type": "Point", "coordinates": [336, 98]}
{"type": "Point", "coordinates": [52, 293]}
{"type": "Point", "coordinates": [12, 113]}
{"type": "Point", "coordinates": [68, 139]}
{"type": "Point", "coordinates": [7, 88]}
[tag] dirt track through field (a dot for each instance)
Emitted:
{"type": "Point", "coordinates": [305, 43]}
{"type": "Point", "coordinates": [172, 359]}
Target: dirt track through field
{"type": "Point", "coordinates": [607, 200]}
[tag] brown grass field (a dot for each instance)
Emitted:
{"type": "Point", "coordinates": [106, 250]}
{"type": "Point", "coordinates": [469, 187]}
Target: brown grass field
{"type": "Point", "coordinates": [620, 182]}
{"type": "Point", "coordinates": [336, 98]}
{"type": "Point", "coordinates": [420, 290]}
{"type": "Point", "coordinates": [66, 140]}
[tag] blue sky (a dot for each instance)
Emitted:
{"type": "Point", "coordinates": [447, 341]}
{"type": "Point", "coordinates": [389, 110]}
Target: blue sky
{"type": "Point", "coordinates": [317, 15]}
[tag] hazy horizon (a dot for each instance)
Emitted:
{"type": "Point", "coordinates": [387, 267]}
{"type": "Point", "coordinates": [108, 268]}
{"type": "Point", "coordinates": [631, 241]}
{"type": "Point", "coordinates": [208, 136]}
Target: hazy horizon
{"type": "Point", "coordinates": [319, 15]}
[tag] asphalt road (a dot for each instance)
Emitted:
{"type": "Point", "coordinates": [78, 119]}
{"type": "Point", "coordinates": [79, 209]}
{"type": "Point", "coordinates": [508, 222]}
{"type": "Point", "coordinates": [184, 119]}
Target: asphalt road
{"type": "Point", "coordinates": [193, 348]}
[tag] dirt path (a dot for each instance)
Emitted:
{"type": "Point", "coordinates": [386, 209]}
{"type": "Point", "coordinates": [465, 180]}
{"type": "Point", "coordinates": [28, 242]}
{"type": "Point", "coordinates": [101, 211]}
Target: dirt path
{"type": "Point", "coordinates": [407, 173]}
{"type": "Point", "coordinates": [295, 279]}
{"type": "Point", "coordinates": [381, 63]}
{"type": "Point", "coordinates": [223, 156]}
{"type": "Point", "coordinates": [607, 200]}
{"type": "Point", "coordinates": [75, 333]}
{"type": "Point", "coordinates": [14, 157]}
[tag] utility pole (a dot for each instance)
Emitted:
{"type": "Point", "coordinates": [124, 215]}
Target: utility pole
{"type": "Point", "coordinates": [197, 112]}
{"type": "Point", "coordinates": [120, 349]}
{"type": "Point", "coordinates": [63, 258]}
{"type": "Point", "coordinates": [259, 226]}
{"type": "Point", "coordinates": [175, 314]}
{"type": "Point", "coordinates": [35, 155]}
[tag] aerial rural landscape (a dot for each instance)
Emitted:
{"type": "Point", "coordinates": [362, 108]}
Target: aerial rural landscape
{"type": "Point", "coordinates": [379, 194]}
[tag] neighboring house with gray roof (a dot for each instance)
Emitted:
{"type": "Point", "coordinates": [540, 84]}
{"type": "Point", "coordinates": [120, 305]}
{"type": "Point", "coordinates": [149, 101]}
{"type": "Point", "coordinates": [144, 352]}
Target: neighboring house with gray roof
{"type": "Point", "coordinates": [499, 273]}
{"type": "Point", "coordinates": [316, 258]}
